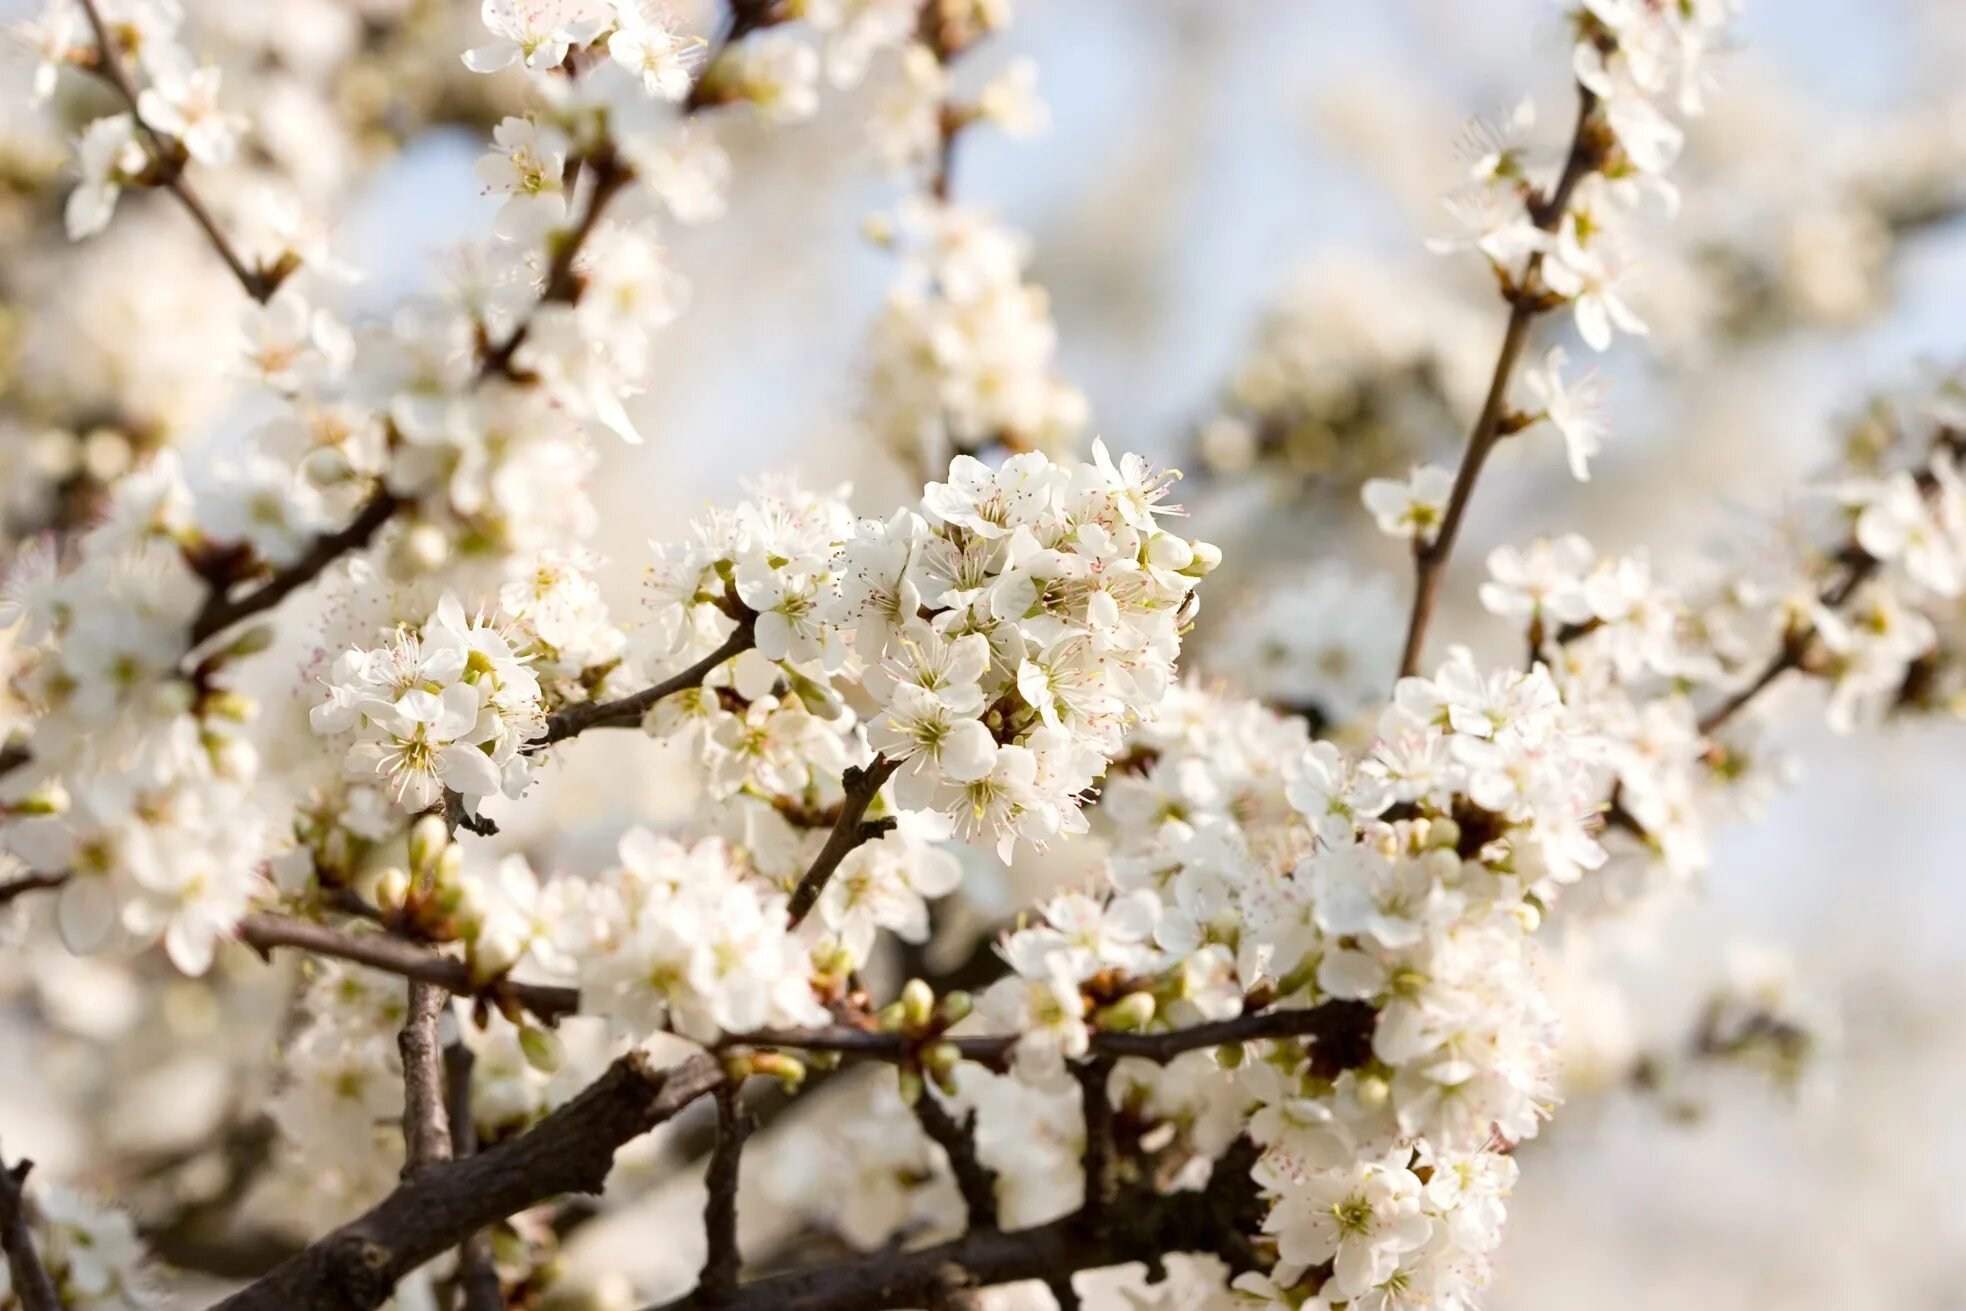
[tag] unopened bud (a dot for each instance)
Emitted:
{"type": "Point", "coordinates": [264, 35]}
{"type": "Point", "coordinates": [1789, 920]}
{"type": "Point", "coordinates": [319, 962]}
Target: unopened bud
{"type": "Point", "coordinates": [450, 865]}
{"type": "Point", "coordinates": [1444, 834]}
{"type": "Point", "coordinates": [1528, 914]}
{"type": "Point", "coordinates": [911, 1084]}
{"type": "Point", "coordinates": [430, 836]}
{"type": "Point", "coordinates": [1207, 557]}
{"type": "Point", "coordinates": [954, 1008]}
{"type": "Point", "coordinates": [251, 642]}
{"type": "Point", "coordinates": [392, 889]}
{"type": "Point", "coordinates": [1373, 1091]}
{"type": "Point", "coordinates": [790, 1071]}
{"type": "Point", "coordinates": [1130, 1013]}
{"type": "Point", "coordinates": [1229, 1056]}
{"type": "Point", "coordinates": [891, 1018]}
{"type": "Point", "coordinates": [917, 1004]}
{"type": "Point", "coordinates": [235, 706]}
{"type": "Point", "coordinates": [543, 1049]}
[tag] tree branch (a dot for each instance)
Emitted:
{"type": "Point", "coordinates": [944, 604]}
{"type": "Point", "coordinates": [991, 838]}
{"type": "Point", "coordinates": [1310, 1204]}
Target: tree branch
{"type": "Point", "coordinates": [629, 710]}
{"type": "Point", "coordinates": [356, 1267]}
{"type": "Point", "coordinates": [32, 1285]}
{"type": "Point", "coordinates": [1144, 1226]}
{"type": "Point", "coordinates": [221, 612]}
{"type": "Point", "coordinates": [974, 1180]}
{"type": "Point", "coordinates": [381, 951]}
{"type": "Point", "coordinates": [1430, 559]}
{"type": "Point", "coordinates": [426, 1120]}
{"type": "Point", "coordinates": [168, 154]}
{"type": "Point", "coordinates": [724, 1261]}
{"type": "Point", "coordinates": [477, 1275]}
{"type": "Point", "coordinates": [1101, 1178]}
{"type": "Point", "coordinates": [27, 883]}
{"type": "Point", "coordinates": [849, 831]}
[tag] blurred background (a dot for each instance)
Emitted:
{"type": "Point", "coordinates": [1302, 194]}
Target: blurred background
{"type": "Point", "coordinates": [1228, 213]}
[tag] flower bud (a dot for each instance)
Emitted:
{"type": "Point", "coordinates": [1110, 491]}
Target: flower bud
{"type": "Point", "coordinates": [1130, 1013]}
{"type": "Point", "coordinates": [542, 1048]}
{"type": "Point", "coordinates": [1229, 1056]}
{"type": "Point", "coordinates": [789, 1070]}
{"type": "Point", "coordinates": [917, 1004]}
{"type": "Point", "coordinates": [939, 1061]}
{"type": "Point", "coordinates": [255, 639]}
{"type": "Point", "coordinates": [953, 1009]}
{"type": "Point", "coordinates": [911, 1084]}
{"type": "Point", "coordinates": [392, 889]}
{"type": "Point", "coordinates": [1373, 1091]}
{"type": "Point", "coordinates": [430, 836]}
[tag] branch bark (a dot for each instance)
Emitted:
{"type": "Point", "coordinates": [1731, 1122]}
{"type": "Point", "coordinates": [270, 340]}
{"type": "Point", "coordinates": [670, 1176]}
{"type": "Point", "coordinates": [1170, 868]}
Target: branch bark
{"type": "Point", "coordinates": [724, 1261]}
{"type": "Point", "coordinates": [426, 1119]}
{"type": "Point", "coordinates": [974, 1180]}
{"type": "Point", "coordinates": [221, 612]}
{"type": "Point", "coordinates": [357, 1267]}
{"type": "Point", "coordinates": [477, 1274]}
{"type": "Point", "coordinates": [1142, 1226]}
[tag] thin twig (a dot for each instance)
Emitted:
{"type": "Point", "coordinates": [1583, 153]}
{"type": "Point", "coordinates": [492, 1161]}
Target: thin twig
{"type": "Point", "coordinates": [426, 1119]}
{"type": "Point", "coordinates": [724, 1261]}
{"type": "Point", "coordinates": [29, 883]}
{"type": "Point", "coordinates": [477, 1275]}
{"type": "Point", "coordinates": [974, 1180]}
{"type": "Point", "coordinates": [851, 829]}
{"type": "Point", "coordinates": [629, 710]}
{"type": "Point", "coordinates": [221, 612]}
{"type": "Point", "coordinates": [1430, 558]}
{"type": "Point", "coordinates": [168, 154]}
{"type": "Point", "coordinates": [33, 1287]}
{"type": "Point", "coordinates": [264, 933]}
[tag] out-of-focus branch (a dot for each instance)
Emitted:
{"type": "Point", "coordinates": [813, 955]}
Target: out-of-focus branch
{"type": "Point", "coordinates": [974, 1180]}
{"type": "Point", "coordinates": [221, 612]}
{"type": "Point", "coordinates": [477, 1276]}
{"type": "Point", "coordinates": [724, 1262]}
{"type": "Point", "coordinates": [168, 156]}
{"type": "Point", "coordinates": [32, 1285]}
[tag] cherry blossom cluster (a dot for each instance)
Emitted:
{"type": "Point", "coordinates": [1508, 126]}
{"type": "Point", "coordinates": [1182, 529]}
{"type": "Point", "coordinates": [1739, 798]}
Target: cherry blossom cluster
{"type": "Point", "coordinates": [961, 359]}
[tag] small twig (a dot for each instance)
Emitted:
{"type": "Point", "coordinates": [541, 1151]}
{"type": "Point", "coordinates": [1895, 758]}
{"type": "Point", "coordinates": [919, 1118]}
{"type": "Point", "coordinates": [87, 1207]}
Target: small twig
{"type": "Point", "coordinates": [27, 883]}
{"type": "Point", "coordinates": [426, 1120]}
{"type": "Point", "coordinates": [724, 1262]}
{"type": "Point", "coordinates": [974, 1180]}
{"type": "Point", "coordinates": [1430, 558]}
{"type": "Point", "coordinates": [852, 828]}
{"type": "Point", "coordinates": [477, 1275]}
{"type": "Point", "coordinates": [221, 612]}
{"type": "Point", "coordinates": [381, 951]}
{"type": "Point", "coordinates": [168, 154]}
{"type": "Point", "coordinates": [1101, 1176]}
{"type": "Point", "coordinates": [34, 1288]}
{"type": "Point", "coordinates": [629, 710]}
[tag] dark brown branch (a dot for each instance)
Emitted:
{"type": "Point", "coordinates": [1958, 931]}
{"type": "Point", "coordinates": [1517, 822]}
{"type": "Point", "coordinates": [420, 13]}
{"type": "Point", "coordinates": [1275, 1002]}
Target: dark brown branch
{"type": "Point", "coordinates": [628, 710]}
{"type": "Point", "coordinates": [1101, 1178]}
{"type": "Point", "coordinates": [974, 1180]}
{"type": "Point", "coordinates": [169, 158]}
{"type": "Point", "coordinates": [264, 933]}
{"type": "Point", "coordinates": [477, 1276]}
{"type": "Point", "coordinates": [1142, 1226]}
{"type": "Point", "coordinates": [34, 1289]}
{"type": "Point", "coordinates": [570, 1151]}
{"type": "Point", "coordinates": [27, 883]}
{"type": "Point", "coordinates": [221, 612]}
{"type": "Point", "coordinates": [849, 831]}
{"type": "Point", "coordinates": [1525, 303]}
{"type": "Point", "coordinates": [426, 1120]}
{"type": "Point", "coordinates": [724, 1261]}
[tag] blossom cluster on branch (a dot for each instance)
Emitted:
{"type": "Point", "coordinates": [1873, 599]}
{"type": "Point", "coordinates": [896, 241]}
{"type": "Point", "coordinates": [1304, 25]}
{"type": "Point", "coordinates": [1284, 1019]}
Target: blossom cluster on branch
{"type": "Point", "coordinates": [1288, 1027]}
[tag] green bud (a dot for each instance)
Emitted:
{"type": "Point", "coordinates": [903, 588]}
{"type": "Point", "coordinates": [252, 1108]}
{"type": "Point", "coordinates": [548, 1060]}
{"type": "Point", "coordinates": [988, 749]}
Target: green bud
{"type": "Point", "coordinates": [542, 1048]}
{"type": "Point", "coordinates": [954, 1008]}
{"type": "Point", "coordinates": [1229, 1056]}
{"type": "Point", "coordinates": [790, 1071]}
{"type": "Point", "coordinates": [917, 1004]}
{"type": "Point", "coordinates": [911, 1084]}
{"type": "Point", "coordinates": [1130, 1013]}
{"type": "Point", "coordinates": [939, 1061]}
{"type": "Point", "coordinates": [251, 642]}
{"type": "Point", "coordinates": [429, 837]}
{"type": "Point", "coordinates": [891, 1018]}
{"type": "Point", "coordinates": [392, 889]}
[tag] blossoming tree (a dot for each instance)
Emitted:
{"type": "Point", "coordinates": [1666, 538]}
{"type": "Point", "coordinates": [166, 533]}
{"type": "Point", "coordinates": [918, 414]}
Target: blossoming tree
{"type": "Point", "coordinates": [1278, 1049]}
